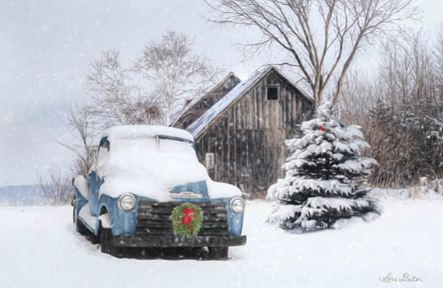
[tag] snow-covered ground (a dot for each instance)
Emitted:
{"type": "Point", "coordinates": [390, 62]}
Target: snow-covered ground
{"type": "Point", "coordinates": [40, 248]}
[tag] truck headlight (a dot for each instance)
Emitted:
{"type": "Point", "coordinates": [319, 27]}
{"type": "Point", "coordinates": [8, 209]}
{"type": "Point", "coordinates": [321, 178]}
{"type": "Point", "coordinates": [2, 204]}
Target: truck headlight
{"type": "Point", "coordinates": [127, 202]}
{"type": "Point", "coordinates": [237, 204]}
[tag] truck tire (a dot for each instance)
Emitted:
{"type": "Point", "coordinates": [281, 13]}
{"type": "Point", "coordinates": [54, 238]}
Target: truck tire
{"type": "Point", "coordinates": [106, 243]}
{"type": "Point", "coordinates": [218, 253]}
{"type": "Point", "coordinates": [81, 228]}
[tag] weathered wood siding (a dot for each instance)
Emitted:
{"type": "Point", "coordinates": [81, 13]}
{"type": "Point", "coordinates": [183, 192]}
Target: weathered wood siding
{"type": "Point", "coordinates": [248, 138]}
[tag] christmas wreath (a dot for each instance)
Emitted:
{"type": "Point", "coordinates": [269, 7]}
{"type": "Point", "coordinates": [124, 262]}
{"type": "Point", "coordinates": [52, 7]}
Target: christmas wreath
{"type": "Point", "coordinates": [186, 219]}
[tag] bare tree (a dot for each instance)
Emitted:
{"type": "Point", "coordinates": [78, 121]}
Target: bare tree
{"type": "Point", "coordinates": [148, 92]}
{"type": "Point", "coordinates": [359, 93]}
{"type": "Point", "coordinates": [405, 125]}
{"type": "Point", "coordinates": [165, 75]}
{"type": "Point", "coordinates": [322, 37]}
{"type": "Point", "coordinates": [55, 187]}
{"type": "Point", "coordinates": [115, 99]}
{"type": "Point", "coordinates": [175, 73]}
{"type": "Point", "coordinates": [81, 130]}
{"type": "Point", "coordinates": [438, 52]}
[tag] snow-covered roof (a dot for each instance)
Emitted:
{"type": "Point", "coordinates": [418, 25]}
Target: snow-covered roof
{"type": "Point", "coordinates": [197, 99]}
{"type": "Point", "coordinates": [199, 125]}
{"type": "Point", "coordinates": [145, 131]}
{"type": "Point", "coordinates": [139, 164]}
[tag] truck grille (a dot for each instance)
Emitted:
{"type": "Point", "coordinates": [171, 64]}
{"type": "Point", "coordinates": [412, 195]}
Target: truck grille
{"type": "Point", "coordinates": [153, 219]}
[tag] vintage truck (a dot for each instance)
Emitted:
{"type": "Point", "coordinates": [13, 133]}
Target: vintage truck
{"type": "Point", "coordinates": [148, 191]}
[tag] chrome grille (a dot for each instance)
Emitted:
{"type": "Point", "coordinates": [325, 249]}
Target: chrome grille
{"type": "Point", "coordinates": [153, 219]}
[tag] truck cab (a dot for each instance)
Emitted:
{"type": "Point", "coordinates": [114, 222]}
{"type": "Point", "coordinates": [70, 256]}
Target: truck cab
{"type": "Point", "coordinates": [147, 189]}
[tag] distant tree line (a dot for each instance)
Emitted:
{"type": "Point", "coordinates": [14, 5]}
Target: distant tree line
{"type": "Point", "coordinates": [400, 107]}
{"type": "Point", "coordinates": [55, 186]}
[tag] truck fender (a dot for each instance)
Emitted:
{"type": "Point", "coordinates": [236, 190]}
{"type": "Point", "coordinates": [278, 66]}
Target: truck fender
{"type": "Point", "coordinates": [81, 185]}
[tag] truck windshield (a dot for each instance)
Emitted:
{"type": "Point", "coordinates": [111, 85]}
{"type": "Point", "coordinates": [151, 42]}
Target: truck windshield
{"type": "Point", "coordinates": [146, 153]}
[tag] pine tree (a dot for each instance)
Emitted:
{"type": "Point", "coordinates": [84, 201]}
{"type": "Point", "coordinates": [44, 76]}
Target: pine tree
{"type": "Point", "coordinates": [323, 177]}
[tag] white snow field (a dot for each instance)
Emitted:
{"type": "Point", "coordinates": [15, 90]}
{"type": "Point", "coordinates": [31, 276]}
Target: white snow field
{"type": "Point", "coordinates": [40, 248]}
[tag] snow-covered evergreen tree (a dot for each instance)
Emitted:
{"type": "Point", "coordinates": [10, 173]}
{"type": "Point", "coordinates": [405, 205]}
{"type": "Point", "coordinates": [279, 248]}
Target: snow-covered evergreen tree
{"type": "Point", "coordinates": [323, 177]}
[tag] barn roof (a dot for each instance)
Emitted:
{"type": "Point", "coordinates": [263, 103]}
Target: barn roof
{"type": "Point", "coordinates": [197, 99]}
{"type": "Point", "coordinates": [199, 125]}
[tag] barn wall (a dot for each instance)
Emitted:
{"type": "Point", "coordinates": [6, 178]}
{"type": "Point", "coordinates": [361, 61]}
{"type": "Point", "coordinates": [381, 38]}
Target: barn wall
{"type": "Point", "coordinates": [248, 138]}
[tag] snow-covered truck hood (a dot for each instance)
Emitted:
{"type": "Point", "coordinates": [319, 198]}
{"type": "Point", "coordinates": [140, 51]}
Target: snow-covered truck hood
{"type": "Point", "coordinates": [140, 163]}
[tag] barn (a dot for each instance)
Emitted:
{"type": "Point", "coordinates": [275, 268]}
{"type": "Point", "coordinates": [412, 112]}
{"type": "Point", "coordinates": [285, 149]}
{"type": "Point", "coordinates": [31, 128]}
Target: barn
{"type": "Point", "coordinates": [240, 127]}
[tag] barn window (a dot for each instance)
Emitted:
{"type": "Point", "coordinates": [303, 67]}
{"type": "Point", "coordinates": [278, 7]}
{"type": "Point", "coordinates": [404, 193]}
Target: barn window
{"type": "Point", "coordinates": [209, 160]}
{"type": "Point", "coordinates": [272, 92]}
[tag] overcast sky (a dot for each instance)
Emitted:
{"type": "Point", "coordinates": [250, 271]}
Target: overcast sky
{"type": "Point", "coordinates": [46, 47]}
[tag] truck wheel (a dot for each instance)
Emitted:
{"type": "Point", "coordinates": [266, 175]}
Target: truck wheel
{"type": "Point", "coordinates": [106, 242]}
{"type": "Point", "coordinates": [80, 227]}
{"type": "Point", "coordinates": [218, 252]}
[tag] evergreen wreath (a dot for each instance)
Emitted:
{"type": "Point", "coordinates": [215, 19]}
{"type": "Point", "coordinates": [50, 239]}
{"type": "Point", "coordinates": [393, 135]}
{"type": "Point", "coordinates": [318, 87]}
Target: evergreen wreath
{"type": "Point", "coordinates": [186, 219]}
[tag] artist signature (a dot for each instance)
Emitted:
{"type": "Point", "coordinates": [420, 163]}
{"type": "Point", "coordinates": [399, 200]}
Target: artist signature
{"type": "Point", "coordinates": [406, 277]}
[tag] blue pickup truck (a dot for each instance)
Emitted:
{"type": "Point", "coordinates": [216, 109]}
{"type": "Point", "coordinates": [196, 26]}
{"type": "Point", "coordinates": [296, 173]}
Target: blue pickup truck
{"type": "Point", "coordinates": [148, 190]}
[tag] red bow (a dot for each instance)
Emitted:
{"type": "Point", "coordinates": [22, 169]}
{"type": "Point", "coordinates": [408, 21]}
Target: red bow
{"type": "Point", "coordinates": [188, 216]}
{"type": "Point", "coordinates": [322, 128]}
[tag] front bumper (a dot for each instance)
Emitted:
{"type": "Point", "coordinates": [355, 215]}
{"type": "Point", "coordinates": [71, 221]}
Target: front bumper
{"type": "Point", "coordinates": [175, 241]}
